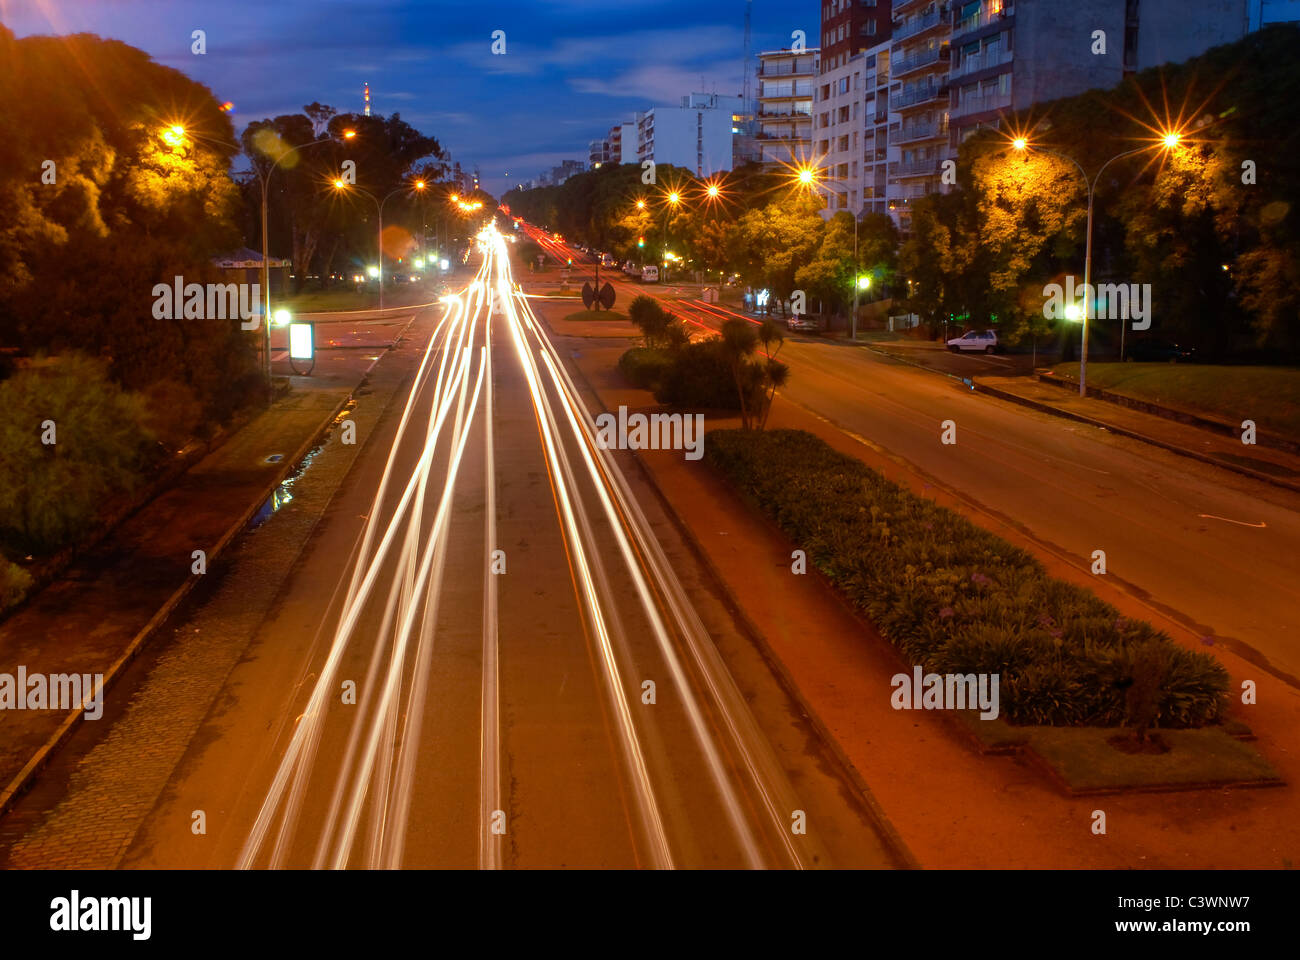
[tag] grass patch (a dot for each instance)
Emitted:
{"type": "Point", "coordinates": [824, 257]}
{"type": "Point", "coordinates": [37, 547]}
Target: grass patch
{"type": "Point", "coordinates": [1082, 758]}
{"type": "Point", "coordinates": [955, 598]}
{"type": "Point", "coordinates": [347, 298]}
{"type": "Point", "coordinates": [1268, 395]}
{"type": "Point", "coordinates": [602, 315]}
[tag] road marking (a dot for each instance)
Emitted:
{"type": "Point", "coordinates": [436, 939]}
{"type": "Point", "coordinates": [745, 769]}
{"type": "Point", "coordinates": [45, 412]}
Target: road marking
{"type": "Point", "coordinates": [1240, 523]}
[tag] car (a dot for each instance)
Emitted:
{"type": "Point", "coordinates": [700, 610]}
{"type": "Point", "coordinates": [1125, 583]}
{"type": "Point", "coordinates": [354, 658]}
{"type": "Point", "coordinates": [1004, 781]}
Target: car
{"type": "Point", "coordinates": [979, 341]}
{"type": "Point", "coordinates": [650, 274]}
{"type": "Point", "coordinates": [630, 268]}
{"type": "Point", "coordinates": [1158, 351]}
{"type": "Point", "coordinates": [607, 260]}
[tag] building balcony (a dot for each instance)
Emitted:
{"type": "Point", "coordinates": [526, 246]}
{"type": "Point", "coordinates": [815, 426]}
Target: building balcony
{"type": "Point", "coordinates": [785, 70]}
{"type": "Point", "coordinates": [981, 61]}
{"type": "Point", "coordinates": [972, 105]}
{"type": "Point", "coordinates": [784, 137]}
{"type": "Point", "coordinates": [910, 132]}
{"type": "Point", "coordinates": [918, 60]}
{"type": "Point", "coordinates": [916, 168]}
{"type": "Point", "coordinates": [915, 26]}
{"type": "Point", "coordinates": [976, 20]}
{"type": "Point", "coordinates": [917, 95]}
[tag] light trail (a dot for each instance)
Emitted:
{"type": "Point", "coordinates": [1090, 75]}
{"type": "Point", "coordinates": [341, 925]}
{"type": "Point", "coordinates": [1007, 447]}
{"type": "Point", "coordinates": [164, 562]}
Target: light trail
{"type": "Point", "coordinates": [374, 776]}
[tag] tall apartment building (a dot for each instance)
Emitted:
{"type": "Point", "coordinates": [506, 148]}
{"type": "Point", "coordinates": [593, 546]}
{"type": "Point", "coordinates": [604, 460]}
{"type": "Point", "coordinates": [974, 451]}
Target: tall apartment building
{"type": "Point", "coordinates": [839, 132]}
{"type": "Point", "coordinates": [851, 26]}
{"type": "Point", "coordinates": [919, 103]}
{"type": "Point", "coordinates": [696, 135]}
{"type": "Point", "coordinates": [622, 142]}
{"type": "Point", "coordinates": [597, 153]}
{"type": "Point", "coordinates": [875, 144]}
{"type": "Point", "coordinates": [958, 66]}
{"type": "Point", "coordinates": [785, 102]}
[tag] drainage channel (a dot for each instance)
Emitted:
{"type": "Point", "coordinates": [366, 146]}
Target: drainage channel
{"type": "Point", "coordinates": [282, 495]}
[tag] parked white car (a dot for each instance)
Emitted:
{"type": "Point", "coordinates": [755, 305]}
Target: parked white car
{"type": "Point", "coordinates": [980, 341]}
{"type": "Point", "coordinates": [649, 274]}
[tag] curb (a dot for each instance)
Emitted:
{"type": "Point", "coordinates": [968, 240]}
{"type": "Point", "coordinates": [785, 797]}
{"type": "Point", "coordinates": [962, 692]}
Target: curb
{"type": "Point", "coordinates": [1187, 418]}
{"type": "Point", "coordinates": [24, 778]}
{"type": "Point", "coordinates": [890, 837]}
{"type": "Point", "coordinates": [1134, 435]}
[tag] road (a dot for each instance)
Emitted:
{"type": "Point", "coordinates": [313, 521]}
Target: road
{"type": "Point", "coordinates": [1208, 548]}
{"type": "Point", "coordinates": [492, 651]}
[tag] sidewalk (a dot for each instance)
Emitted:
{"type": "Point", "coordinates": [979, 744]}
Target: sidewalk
{"type": "Point", "coordinates": [953, 807]}
{"type": "Point", "coordinates": [97, 615]}
{"type": "Point", "coordinates": [1261, 463]}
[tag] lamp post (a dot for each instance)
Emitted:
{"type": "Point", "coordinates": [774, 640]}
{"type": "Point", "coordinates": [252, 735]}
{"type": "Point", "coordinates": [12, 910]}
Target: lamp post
{"type": "Point", "coordinates": [673, 198]}
{"type": "Point", "coordinates": [808, 177]}
{"type": "Point", "coordinates": [176, 134]}
{"type": "Point", "coordinates": [1168, 141]}
{"type": "Point", "coordinates": [379, 207]}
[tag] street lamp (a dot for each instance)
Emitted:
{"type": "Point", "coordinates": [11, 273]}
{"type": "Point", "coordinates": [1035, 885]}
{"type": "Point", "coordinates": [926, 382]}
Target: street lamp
{"type": "Point", "coordinates": [807, 177]}
{"type": "Point", "coordinates": [674, 198]}
{"type": "Point", "coordinates": [379, 206]}
{"type": "Point", "coordinates": [174, 136]}
{"type": "Point", "coordinates": [1168, 141]}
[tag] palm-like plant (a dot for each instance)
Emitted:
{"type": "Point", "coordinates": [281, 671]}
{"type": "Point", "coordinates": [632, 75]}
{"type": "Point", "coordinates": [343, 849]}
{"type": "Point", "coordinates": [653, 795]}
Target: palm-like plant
{"type": "Point", "coordinates": [739, 341]}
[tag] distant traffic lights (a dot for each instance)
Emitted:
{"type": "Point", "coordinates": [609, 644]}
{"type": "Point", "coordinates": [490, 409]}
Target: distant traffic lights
{"type": "Point", "coordinates": [640, 241]}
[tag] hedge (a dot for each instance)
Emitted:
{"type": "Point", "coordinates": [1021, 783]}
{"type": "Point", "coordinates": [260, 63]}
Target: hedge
{"type": "Point", "coordinates": [644, 367]}
{"type": "Point", "coordinates": [954, 598]}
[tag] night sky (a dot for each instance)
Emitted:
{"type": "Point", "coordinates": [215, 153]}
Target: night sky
{"type": "Point", "coordinates": [572, 67]}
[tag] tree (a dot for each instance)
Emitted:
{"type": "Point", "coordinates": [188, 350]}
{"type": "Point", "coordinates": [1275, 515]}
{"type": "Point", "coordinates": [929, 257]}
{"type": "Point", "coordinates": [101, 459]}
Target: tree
{"type": "Point", "coordinates": [778, 239]}
{"type": "Point", "coordinates": [830, 274]}
{"type": "Point", "coordinates": [738, 344]}
{"type": "Point", "coordinates": [125, 206]}
{"type": "Point", "coordinates": [775, 373]}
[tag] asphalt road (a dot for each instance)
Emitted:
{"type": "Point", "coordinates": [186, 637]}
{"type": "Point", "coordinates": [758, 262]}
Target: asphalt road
{"type": "Point", "coordinates": [1208, 548]}
{"type": "Point", "coordinates": [402, 704]}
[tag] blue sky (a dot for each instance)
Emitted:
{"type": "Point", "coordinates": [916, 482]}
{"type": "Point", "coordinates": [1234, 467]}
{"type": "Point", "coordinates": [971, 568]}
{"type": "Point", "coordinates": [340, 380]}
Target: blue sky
{"type": "Point", "coordinates": [571, 68]}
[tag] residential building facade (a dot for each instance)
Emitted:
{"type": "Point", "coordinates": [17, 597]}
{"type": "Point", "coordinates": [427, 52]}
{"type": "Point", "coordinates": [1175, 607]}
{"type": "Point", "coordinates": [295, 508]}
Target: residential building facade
{"type": "Point", "coordinates": [696, 135]}
{"type": "Point", "coordinates": [785, 102]}
{"type": "Point", "coordinates": [851, 26]}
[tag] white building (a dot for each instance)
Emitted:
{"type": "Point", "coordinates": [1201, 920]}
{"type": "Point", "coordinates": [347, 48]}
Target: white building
{"type": "Point", "coordinates": [696, 135]}
{"type": "Point", "coordinates": [840, 126]}
{"type": "Point", "coordinates": [785, 106]}
{"type": "Point", "coordinates": [622, 142]}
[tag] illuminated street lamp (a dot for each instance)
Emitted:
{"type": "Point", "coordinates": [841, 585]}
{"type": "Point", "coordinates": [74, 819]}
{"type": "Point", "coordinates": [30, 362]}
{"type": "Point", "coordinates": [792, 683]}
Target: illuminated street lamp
{"type": "Point", "coordinates": [378, 272]}
{"type": "Point", "coordinates": [174, 135]}
{"type": "Point", "coordinates": [806, 176]}
{"type": "Point", "coordinates": [1168, 141]}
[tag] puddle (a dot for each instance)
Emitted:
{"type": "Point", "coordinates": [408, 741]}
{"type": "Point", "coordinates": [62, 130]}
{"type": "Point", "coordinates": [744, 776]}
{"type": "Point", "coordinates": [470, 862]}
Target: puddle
{"type": "Point", "coordinates": [282, 495]}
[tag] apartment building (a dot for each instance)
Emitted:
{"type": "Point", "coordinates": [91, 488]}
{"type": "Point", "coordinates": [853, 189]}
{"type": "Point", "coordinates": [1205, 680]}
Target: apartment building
{"type": "Point", "coordinates": [958, 66]}
{"type": "Point", "coordinates": [622, 142]}
{"type": "Point", "coordinates": [918, 137]}
{"type": "Point", "coordinates": [696, 135]}
{"type": "Point", "coordinates": [785, 106]}
{"type": "Point", "coordinates": [851, 26]}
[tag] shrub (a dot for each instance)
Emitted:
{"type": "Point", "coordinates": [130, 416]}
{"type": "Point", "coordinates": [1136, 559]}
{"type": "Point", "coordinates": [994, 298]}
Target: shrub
{"type": "Point", "coordinates": [50, 493]}
{"type": "Point", "coordinates": [14, 584]}
{"type": "Point", "coordinates": [700, 376]}
{"type": "Point", "coordinates": [645, 366]}
{"type": "Point", "coordinates": [958, 599]}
